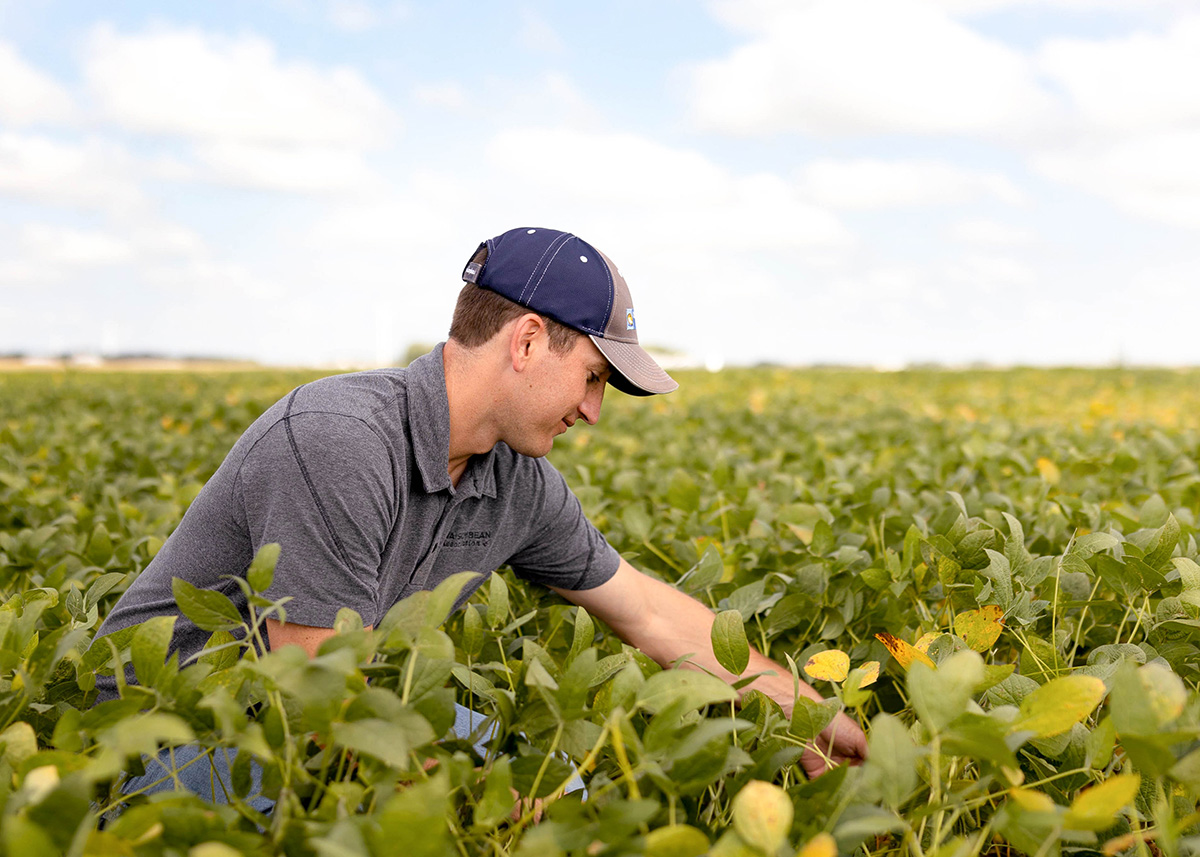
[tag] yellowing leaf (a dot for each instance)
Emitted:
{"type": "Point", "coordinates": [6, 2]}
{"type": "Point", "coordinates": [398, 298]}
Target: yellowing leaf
{"type": "Point", "coordinates": [903, 652]}
{"type": "Point", "coordinates": [762, 815]}
{"type": "Point", "coordinates": [1031, 800]}
{"type": "Point", "coordinates": [1097, 807]}
{"type": "Point", "coordinates": [926, 640]}
{"type": "Point", "coordinates": [804, 534]}
{"type": "Point", "coordinates": [870, 673]}
{"type": "Point", "coordinates": [676, 840]}
{"type": "Point", "coordinates": [1049, 470]}
{"type": "Point", "coordinates": [832, 665]}
{"type": "Point", "coordinates": [821, 845]}
{"type": "Point", "coordinates": [980, 628]}
{"type": "Point", "coordinates": [1058, 705]}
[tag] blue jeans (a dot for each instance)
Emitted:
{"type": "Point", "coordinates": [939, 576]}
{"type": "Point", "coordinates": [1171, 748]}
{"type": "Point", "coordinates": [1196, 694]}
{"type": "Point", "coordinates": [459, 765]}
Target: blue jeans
{"type": "Point", "coordinates": [191, 768]}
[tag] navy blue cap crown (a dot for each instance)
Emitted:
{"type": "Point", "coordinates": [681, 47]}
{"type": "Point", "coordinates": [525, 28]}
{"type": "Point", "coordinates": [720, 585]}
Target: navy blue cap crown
{"type": "Point", "coordinates": [551, 272]}
{"type": "Point", "coordinates": [556, 274]}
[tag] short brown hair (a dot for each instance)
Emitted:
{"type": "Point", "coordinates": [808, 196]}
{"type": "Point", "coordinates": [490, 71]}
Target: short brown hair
{"type": "Point", "coordinates": [480, 313]}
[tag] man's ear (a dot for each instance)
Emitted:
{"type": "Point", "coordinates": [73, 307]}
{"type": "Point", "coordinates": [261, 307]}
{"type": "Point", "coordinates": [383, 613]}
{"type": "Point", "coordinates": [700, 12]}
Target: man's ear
{"type": "Point", "coordinates": [526, 337]}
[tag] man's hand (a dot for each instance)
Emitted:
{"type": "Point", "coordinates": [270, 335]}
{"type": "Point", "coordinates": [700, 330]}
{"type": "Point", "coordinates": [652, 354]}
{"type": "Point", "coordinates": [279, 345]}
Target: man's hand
{"type": "Point", "coordinates": [841, 742]}
{"type": "Point", "coordinates": [667, 624]}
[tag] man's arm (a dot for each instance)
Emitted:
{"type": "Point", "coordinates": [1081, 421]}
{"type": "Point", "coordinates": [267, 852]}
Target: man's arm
{"type": "Point", "coordinates": [667, 624]}
{"type": "Point", "coordinates": [307, 637]}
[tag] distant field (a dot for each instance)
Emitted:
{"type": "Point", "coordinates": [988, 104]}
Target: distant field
{"type": "Point", "coordinates": [1031, 533]}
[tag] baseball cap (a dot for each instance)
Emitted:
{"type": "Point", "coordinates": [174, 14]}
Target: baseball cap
{"type": "Point", "coordinates": [562, 276]}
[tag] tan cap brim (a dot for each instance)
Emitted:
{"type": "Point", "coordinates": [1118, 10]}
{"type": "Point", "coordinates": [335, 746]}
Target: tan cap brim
{"type": "Point", "coordinates": [634, 371]}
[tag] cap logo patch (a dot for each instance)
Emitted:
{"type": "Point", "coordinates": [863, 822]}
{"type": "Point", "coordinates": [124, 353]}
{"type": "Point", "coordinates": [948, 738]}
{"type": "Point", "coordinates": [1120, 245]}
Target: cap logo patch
{"type": "Point", "coordinates": [630, 324]}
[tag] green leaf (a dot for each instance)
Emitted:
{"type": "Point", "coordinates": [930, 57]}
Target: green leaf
{"type": "Point", "coordinates": [444, 597]}
{"type": "Point", "coordinates": [1189, 573]}
{"type": "Point", "coordinates": [637, 522]}
{"type": "Point", "coordinates": [692, 689]}
{"type": "Point", "coordinates": [979, 736]}
{"type": "Point", "coordinates": [1058, 705]}
{"type": "Point", "coordinates": [705, 573]}
{"type": "Point", "coordinates": [582, 634]}
{"type": "Point", "coordinates": [472, 635]}
{"type": "Point", "coordinates": [939, 696]}
{"type": "Point", "coordinates": [676, 840]}
{"type": "Point", "coordinates": [497, 605]}
{"type": "Point", "coordinates": [497, 801]}
{"type": "Point", "coordinates": [149, 648]}
{"type": "Point", "coordinates": [1145, 699]}
{"type": "Point", "coordinates": [390, 741]}
{"type": "Point", "coordinates": [823, 540]}
{"type": "Point", "coordinates": [809, 718]}
{"type": "Point", "coordinates": [100, 587]}
{"type": "Point", "coordinates": [1164, 543]}
{"type": "Point", "coordinates": [206, 608]}
{"type": "Point", "coordinates": [891, 759]}
{"type": "Point", "coordinates": [999, 572]}
{"type": "Point", "coordinates": [262, 567]}
{"type": "Point", "coordinates": [729, 642]}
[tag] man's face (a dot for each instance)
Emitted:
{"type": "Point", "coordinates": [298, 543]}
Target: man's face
{"type": "Point", "coordinates": [559, 389]}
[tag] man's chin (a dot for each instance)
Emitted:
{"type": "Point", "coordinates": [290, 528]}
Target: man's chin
{"type": "Point", "coordinates": [531, 451]}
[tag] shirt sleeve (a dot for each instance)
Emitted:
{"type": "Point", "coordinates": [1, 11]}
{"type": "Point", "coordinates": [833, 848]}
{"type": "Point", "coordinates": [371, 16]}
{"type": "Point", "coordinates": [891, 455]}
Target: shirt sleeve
{"type": "Point", "coordinates": [563, 549]}
{"type": "Point", "coordinates": [322, 486]}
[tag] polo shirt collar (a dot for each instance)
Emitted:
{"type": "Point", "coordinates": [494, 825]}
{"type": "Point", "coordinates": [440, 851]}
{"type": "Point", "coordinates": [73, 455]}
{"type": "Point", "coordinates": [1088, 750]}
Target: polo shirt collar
{"type": "Point", "coordinates": [429, 432]}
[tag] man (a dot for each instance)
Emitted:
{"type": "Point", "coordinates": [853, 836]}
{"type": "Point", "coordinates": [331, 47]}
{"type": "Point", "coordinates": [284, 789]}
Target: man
{"type": "Point", "coordinates": [381, 484]}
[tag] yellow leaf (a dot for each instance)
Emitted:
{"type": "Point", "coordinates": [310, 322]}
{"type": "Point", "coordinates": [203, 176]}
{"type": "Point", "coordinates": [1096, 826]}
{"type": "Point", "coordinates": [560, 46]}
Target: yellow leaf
{"type": "Point", "coordinates": [804, 534]}
{"type": "Point", "coordinates": [903, 652]}
{"type": "Point", "coordinates": [1097, 807]}
{"type": "Point", "coordinates": [1049, 470]}
{"type": "Point", "coordinates": [832, 665]}
{"type": "Point", "coordinates": [926, 640]}
{"type": "Point", "coordinates": [762, 815]}
{"type": "Point", "coordinates": [1031, 800]}
{"type": "Point", "coordinates": [980, 628]}
{"type": "Point", "coordinates": [1058, 705]}
{"type": "Point", "coordinates": [821, 845]}
{"type": "Point", "coordinates": [870, 673]}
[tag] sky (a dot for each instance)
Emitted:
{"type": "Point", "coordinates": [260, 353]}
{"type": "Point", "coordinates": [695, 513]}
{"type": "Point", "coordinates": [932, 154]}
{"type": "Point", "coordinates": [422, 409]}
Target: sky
{"type": "Point", "coordinates": [873, 182]}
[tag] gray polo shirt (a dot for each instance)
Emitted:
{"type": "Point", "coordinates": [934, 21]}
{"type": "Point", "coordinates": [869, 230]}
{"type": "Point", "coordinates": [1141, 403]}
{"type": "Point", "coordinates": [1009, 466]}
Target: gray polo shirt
{"type": "Point", "coordinates": [349, 474]}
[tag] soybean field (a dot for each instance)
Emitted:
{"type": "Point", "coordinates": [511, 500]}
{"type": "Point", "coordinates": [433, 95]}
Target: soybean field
{"type": "Point", "coordinates": [995, 572]}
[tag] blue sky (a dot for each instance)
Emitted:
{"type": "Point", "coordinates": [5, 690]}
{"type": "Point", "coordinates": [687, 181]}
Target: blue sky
{"type": "Point", "coordinates": [867, 181]}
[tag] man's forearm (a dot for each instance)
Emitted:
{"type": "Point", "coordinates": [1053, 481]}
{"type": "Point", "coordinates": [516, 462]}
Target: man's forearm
{"type": "Point", "coordinates": [668, 624]}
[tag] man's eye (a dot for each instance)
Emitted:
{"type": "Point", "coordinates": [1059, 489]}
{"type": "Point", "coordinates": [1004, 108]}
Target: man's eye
{"type": "Point", "coordinates": [593, 377]}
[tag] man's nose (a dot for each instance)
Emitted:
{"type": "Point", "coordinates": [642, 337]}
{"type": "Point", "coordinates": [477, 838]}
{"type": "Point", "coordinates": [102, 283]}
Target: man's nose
{"type": "Point", "coordinates": [589, 408]}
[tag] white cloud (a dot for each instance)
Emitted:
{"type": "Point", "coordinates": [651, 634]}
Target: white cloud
{"type": "Point", "coordinates": [209, 277]}
{"type": "Point", "coordinates": [873, 184]}
{"type": "Point", "coordinates": [94, 174]}
{"type": "Point", "coordinates": [1154, 176]}
{"type": "Point", "coordinates": [193, 84]}
{"type": "Point", "coordinates": [991, 273]}
{"type": "Point", "coordinates": [77, 248]}
{"type": "Point", "coordinates": [27, 96]}
{"type": "Point", "coordinates": [755, 15]}
{"type": "Point", "coordinates": [358, 16]}
{"type": "Point", "coordinates": [448, 94]}
{"type": "Point", "coordinates": [977, 7]}
{"type": "Point", "coordinates": [1141, 82]}
{"type": "Point", "coordinates": [297, 169]}
{"type": "Point", "coordinates": [51, 253]}
{"type": "Point", "coordinates": [990, 233]}
{"type": "Point", "coordinates": [866, 67]}
{"type": "Point", "coordinates": [675, 196]}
